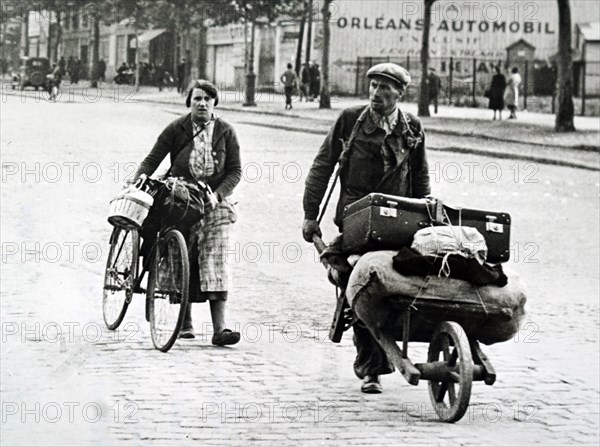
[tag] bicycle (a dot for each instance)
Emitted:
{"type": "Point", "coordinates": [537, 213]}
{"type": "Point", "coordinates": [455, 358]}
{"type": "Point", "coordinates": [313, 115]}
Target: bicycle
{"type": "Point", "coordinates": [167, 291]}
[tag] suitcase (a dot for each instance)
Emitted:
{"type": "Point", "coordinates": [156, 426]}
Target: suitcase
{"type": "Point", "coordinates": [381, 221]}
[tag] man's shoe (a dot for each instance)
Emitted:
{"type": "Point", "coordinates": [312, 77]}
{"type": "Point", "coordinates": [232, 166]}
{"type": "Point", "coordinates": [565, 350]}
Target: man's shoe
{"type": "Point", "coordinates": [371, 385]}
{"type": "Point", "coordinates": [187, 333]}
{"type": "Point", "coordinates": [227, 337]}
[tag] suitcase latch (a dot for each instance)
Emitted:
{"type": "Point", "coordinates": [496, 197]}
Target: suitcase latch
{"type": "Point", "coordinates": [492, 226]}
{"type": "Point", "coordinates": [388, 212]}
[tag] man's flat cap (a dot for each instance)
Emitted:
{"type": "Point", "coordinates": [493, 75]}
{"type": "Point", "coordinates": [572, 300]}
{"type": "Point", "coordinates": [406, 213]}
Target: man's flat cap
{"type": "Point", "coordinates": [391, 71]}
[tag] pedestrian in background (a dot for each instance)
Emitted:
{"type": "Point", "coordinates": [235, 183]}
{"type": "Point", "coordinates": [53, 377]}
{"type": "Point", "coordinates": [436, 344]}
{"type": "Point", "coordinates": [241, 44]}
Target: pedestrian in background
{"type": "Point", "coordinates": [181, 76]}
{"type": "Point", "coordinates": [102, 70]}
{"type": "Point", "coordinates": [305, 82]}
{"type": "Point", "coordinates": [495, 93]}
{"type": "Point", "coordinates": [74, 72]}
{"type": "Point", "coordinates": [434, 86]}
{"type": "Point", "coordinates": [289, 84]}
{"type": "Point", "coordinates": [511, 97]}
{"type": "Point", "coordinates": [62, 64]}
{"type": "Point", "coordinates": [315, 81]}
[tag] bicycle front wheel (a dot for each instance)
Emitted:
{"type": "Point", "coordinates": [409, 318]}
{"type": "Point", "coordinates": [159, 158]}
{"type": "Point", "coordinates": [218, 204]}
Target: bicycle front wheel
{"type": "Point", "coordinates": [167, 294]}
{"type": "Point", "coordinates": [119, 276]}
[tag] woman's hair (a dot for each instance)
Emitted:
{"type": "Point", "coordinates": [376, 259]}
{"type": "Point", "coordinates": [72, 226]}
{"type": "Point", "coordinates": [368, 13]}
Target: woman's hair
{"type": "Point", "coordinates": [515, 70]}
{"type": "Point", "coordinates": [205, 85]}
{"type": "Point", "coordinates": [289, 66]}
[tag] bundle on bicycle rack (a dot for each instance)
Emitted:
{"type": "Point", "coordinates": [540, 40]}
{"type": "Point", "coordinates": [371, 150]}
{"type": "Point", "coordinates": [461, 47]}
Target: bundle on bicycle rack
{"type": "Point", "coordinates": [170, 202]}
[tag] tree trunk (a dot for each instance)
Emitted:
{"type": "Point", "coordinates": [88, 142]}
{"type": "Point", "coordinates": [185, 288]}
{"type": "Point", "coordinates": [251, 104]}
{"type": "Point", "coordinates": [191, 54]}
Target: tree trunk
{"type": "Point", "coordinates": [325, 94]}
{"type": "Point", "coordinates": [250, 91]}
{"type": "Point", "coordinates": [95, 47]}
{"type": "Point", "coordinates": [58, 38]}
{"type": "Point", "coordinates": [202, 53]}
{"type": "Point", "coordinates": [25, 33]}
{"type": "Point", "coordinates": [424, 93]}
{"type": "Point", "coordinates": [300, 41]}
{"type": "Point", "coordinates": [309, 32]}
{"type": "Point", "coordinates": [137, 62]}
{"type": "Point", "coordinates": [49, 38]}
{"type": "Point", "coordinates": [565, 110]}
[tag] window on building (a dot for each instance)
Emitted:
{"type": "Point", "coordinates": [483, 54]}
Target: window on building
{"type": "Point", "coordinates": [67, 20]}
{"type": "Point", "coordinates": [85, 19]}
{"type": "Point", "coordinates": [75, 20]}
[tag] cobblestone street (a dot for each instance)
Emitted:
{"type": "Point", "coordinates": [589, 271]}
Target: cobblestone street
{"type": "Point", "coordinates": [66, 379]}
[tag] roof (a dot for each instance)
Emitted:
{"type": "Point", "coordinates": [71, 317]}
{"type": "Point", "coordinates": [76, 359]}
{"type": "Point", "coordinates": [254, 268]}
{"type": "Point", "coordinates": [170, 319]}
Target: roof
{"type": "Point", "coordinates": [145, 37]}
{"type": "Point", "coordinates": [520, 42]}
{"type": "Point", "coordinates": [590, 31]}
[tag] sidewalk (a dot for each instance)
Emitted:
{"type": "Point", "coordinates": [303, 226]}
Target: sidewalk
{"type": "Point", "coordinates": [454, 129]}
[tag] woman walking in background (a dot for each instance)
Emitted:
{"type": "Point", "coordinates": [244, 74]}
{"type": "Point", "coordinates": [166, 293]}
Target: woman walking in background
{"type": "Point", "coordinates": [496, 93]}
{"type": "Point", "coordinates": [511, 96]}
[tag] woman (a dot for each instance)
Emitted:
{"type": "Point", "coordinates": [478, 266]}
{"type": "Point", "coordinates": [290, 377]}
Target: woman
{"type": "Point", "coordinates": [511, 97]}
{"type": "Point", "coordinates": [496, 93]}
{"type": "Point", "coordinates": [204, 147]}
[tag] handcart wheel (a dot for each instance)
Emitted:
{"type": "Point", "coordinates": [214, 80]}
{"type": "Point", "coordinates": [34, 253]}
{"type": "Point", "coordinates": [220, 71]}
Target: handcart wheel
{"type": "Point", "coordinates": [167, 293]}
{"type": "Point", "coordinates": [119, 276]}
{"type": "Point", "coordinates": [450, 397]}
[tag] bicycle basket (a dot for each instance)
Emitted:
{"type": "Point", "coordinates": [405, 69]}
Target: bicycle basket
{"type": "Point", "coordinates": [130, 208]}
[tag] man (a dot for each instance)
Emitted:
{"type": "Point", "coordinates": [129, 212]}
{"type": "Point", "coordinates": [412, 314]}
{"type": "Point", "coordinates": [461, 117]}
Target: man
{"type": "Point", "coordinates": [289, 83]}
{"type": "Point", "coordinates": [102, 70]}
{"type": "Point", "coordinates": [181, 76]}
{"type": "Point", "coordinates": [435, 85]}
{"type": "Point", "coordinates": [386, 155]}
{"type": "Point", "coordinates": [315, 81]}
{"type": "Point", "coordinates": [305, 82]}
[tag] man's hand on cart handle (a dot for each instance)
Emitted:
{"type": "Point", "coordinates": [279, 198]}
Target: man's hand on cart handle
{"type": "Point", "coordinates": [309, 228]}
{"type": "Point", "coordinates": [319, 244]}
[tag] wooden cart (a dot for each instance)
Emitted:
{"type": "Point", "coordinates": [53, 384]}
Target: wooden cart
{"type": "Point", "coordinates": [453, 327]}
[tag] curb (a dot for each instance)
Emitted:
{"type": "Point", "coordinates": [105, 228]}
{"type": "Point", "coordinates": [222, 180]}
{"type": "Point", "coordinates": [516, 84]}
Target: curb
{"type": "Point", "coordinates": [435, 130]}
{"type": "Point", "coordinates": [456, 133]}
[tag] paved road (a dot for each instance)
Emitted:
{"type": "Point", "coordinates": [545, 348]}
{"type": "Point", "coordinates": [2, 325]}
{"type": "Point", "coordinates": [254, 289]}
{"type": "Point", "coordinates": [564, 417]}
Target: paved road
{"type": "Point", "coordinates": [66, 379]}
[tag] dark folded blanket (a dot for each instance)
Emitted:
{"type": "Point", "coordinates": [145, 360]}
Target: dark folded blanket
{"type": "Point", "coordinates": [409, 262]}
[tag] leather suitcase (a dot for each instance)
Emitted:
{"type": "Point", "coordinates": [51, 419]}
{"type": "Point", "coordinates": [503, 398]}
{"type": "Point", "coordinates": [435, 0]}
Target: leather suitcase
{"type": "Point", "coordinates": [381, 221]}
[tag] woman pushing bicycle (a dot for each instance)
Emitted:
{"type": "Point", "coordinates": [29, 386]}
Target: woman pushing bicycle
{"type": "Point", "coordinates": [202, 147]}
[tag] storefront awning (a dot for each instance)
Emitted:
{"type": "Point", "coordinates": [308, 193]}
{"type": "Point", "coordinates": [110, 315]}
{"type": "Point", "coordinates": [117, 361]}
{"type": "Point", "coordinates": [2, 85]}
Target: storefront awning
{"type": "Point", "coordinates": [145, 37]}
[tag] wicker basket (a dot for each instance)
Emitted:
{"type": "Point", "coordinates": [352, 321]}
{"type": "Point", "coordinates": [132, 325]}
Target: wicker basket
{"type": "Point", "coordinates": [129, 209]}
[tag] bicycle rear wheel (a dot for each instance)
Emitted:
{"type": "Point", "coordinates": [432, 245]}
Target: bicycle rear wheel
{"type": "Point", "coordinates": [167, 294]}
{"type": "Point", "coordinates": [119, 276]}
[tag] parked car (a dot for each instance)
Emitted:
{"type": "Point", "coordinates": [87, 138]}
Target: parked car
{"type": "Point", "coordinates": [33, 71]}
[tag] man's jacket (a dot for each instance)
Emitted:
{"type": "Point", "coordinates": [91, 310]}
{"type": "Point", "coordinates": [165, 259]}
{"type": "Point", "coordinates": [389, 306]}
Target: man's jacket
{"type": "Point", "coordinates": [362, 170]}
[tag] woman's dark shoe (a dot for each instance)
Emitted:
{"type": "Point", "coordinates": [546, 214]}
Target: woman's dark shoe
{"type": "Point", "coordinates": [371, 385]}
{"type": "Point", "coordinates": [187, 332]}
{"type": "Point", "coordinates": [227, 337]}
